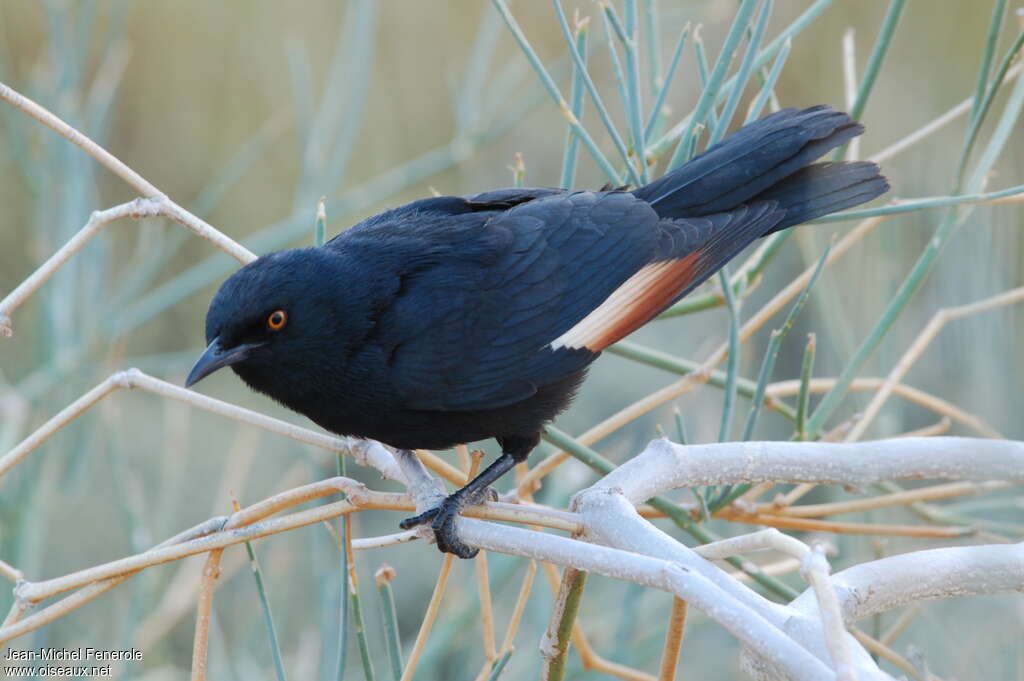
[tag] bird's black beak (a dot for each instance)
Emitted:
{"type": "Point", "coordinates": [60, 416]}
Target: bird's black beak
{"type": "Point", "coordinates": [216, 357]}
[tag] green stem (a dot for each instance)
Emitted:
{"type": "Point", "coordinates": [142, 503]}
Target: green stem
{"type": "Point", "coordinates": [389, 620]}
{"type": "Point", "coordinates": [953, 219]}
{"type": "Point", "coordinates": [678, 365]}
{"type": "Point", "coordinates": [320, 224]}
{"type": "Point", "coordinates": [572, 140]}
{"type": "Point", "coordinates": [499, 666]}
{"type": "Point", "coordinates": [343, 615]}
{"type": "Point", "coordinates": [602, 111]}
{"type": "Point", "coordinates": [769, 83]}
{"type": "Point", "coordinates": [268, 618]}
{"type": "Point", "coordinates": [571, 595]}
{"type": "Point", "coordinates": [659, 101]}
{"type": "Point", "coordinates": [808, 16]}
{"type": "Point", "coordinates": [772, 353]}
{"type": "Point", "coordinates": [710, 93]}
{"type": "Point", "coordinates": [911, 205]}
{"type": "Point", "coordinates": [552, 89]}
{"type": "Point", "coordinates": [364, 647]}
{"type": "Point", "coordinates": [732, 362]}
{"type": "Point", "coordinates": [743, 75]}
{"type": "Point", "coordinates": [981, 110]}
{"type": "Point", "coordinates": [804, 398]}
{"type": "Point", "coordinates": [635, 104]}
{"type": "Point", "coordinates": [995, 26]}
{"type": "Point", "coordinates": [878, 52]}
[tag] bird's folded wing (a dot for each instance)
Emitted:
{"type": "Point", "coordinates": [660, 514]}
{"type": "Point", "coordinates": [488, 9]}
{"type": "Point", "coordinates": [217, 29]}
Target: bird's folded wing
{"type": "Point", "coordinates": [570, 275]}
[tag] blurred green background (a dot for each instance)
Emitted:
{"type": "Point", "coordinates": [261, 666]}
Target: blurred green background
{"type": "Point", "coordinates": [246, 113]}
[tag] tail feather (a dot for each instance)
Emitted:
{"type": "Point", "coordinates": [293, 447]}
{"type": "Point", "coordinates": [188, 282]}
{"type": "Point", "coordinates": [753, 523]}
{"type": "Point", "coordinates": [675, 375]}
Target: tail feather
{"type": "Point", "coordinates": [763, 161]}
{"type": "Point", "coordinates": [824, 188]}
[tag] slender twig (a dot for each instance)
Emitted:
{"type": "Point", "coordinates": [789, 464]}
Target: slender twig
{"type": "Point", "coordinates": [768, 88]}
{"type": "Point", "coordinates": [917, 348]}
{"type": "Point", "coordinates": [815, 570]}
{"type": "Point", "coordinates": [889, 654]}
{"type": "Point", "coordinates": [979, 112]}
{"type": "Point", "coordinates": [732, 358]}
{"type": "Point", "coordinates": [940, 427]}
{"type": "Point", "coordinates": [772, 351]}
{"type": "Point", "coordinates": [201, 637]}
{"type": "Point", "coordinates": [919, 397]}
{"type": "Point", "coordinates": [519, 608]}
{"type": "Point", "coordinates": [900, 625]}
{"type": "Point", "coordinates": [874, 65]}
{"type": "Point", "coordinates": [660, 146]}
{"type": "Point", "coordinates": [552, 88]}
{"type": "Point", "coordinates": [320, 223]}
{"type": "Point", "coordinates": [634, 105]}
{"type": "Point", "coordinates": [486, 608]}
{"type": "Point", "coordinates": [602, 111]}
{"type": "Point", "coordinates": [930, 493]}
{"type": "Point", "coordinates": [743, 75]}
{"type": "Point", "coordinates": [9, 572]}
{"type": "Point", "coordinates": [555, 645]}
{"type": "Point", "coordinates": [389, 619]}
{"type": "Point", "coordinates": [673, 641]}
{"type": "Point", "coordinates": [715, 80]}
{"type": "Point", "coordinates": [139, 208]}
{"type": "Point", "coordinates": [803, 399]}
{"type": "Point", "coordinates": [657, 110]}
{"type": "Point", "coordinates": [679, 365]}
{"type": "Point", "coordinates": [268, 617]}
{"type": "Point", "coordinates": [571, 153]}
{"type": "Point", "coordinates": [922, 266]}
{"type": "Point", "coordinates": [356, 602]}
{"type": "Point", "coordinates": [995, 26]}
{"type": "Point", "coordinates": [428, 618]}
{"type": "Point", "coordinates": [936, 124]}
{"type": "Point", "coordinates": [365, 452]}
{"type": "Point", "coordinates": [115, 165]}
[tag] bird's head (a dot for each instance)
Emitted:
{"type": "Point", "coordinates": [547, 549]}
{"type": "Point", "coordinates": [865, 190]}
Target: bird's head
{"type": "Point", "coordinates": [270, 317]}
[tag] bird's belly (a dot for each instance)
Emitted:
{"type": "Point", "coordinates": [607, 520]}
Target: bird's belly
{"type": "Point", "coordinates": [393, 424]}
{"type": "Point", "coordinates": [418, 429]}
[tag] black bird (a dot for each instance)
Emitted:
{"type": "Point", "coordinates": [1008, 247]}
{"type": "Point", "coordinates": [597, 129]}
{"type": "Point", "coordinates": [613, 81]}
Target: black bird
{"type": "Point", "coordinates": [451, 320]}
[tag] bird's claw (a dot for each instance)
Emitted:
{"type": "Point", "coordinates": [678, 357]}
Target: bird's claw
{"type": "Point", "coordinates": [444, 530]}
{"type": "Point", "coordinates": [421, 519]}
{"type": "Point", "coordinates": [442, 521]}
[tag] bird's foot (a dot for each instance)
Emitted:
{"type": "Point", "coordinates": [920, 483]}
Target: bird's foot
{"type": "Point", "coordinates": [442, 521]}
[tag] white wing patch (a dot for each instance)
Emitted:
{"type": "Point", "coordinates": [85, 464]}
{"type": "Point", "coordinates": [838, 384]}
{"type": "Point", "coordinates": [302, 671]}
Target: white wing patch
{"type": "Point", "coordinates": [629, 306]}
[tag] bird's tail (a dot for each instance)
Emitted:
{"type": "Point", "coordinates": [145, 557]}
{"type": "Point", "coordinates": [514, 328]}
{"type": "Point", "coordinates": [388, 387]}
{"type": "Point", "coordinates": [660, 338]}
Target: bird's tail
{"type": "Point", "coordinates": [771, 160]}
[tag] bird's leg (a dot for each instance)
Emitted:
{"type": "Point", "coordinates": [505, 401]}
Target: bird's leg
{"type": "Point", "coordinates": [442, 517]}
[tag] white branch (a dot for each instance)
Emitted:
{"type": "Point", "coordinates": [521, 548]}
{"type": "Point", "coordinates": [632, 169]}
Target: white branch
{"type": "Point", "coordinates": [888, 583]}
{"type": "Point", "coordinates": [611, 520]}
{"type": "Point", "coordinates": [139, 208]}
{"type": "Point", "coordinates": [664, 466]}
{"type": "Point", "coordinates": [805, 640]}
{"type": "Point", "coordinates": [154, 203]}
{"type": "Point", "coordinates": [768, 538]}
{"type": "Point", "coordinates": [815, 569]}
{"type": "Point", "coordinates": [757, 633]}
{"type": "Point", "coordinates": [365, 452]}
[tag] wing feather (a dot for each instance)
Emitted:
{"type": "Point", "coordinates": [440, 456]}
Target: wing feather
{"type": "Point", "coordinates": [570, 274]}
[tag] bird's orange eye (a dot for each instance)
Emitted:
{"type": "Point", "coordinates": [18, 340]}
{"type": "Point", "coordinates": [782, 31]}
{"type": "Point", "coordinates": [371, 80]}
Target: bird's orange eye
{"type": "Point", "coordinates": [277, 320]}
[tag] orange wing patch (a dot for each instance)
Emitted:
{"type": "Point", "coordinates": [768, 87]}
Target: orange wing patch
{"type": "Point", "coordinates": [630, 306]}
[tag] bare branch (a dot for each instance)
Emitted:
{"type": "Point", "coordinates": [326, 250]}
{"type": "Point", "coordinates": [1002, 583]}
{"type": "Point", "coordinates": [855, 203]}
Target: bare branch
{"type": "Point", "coordinates": [888, 583]}
{"type": "Point", "coordinates": [664, 465]}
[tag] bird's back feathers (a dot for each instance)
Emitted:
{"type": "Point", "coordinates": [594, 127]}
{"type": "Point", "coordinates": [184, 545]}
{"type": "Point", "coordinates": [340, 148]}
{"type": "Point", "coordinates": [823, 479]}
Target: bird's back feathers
{"type": "Point", "coordinates": [454, 319]}
{"type": "Point", "coordinates": [504, 292]}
